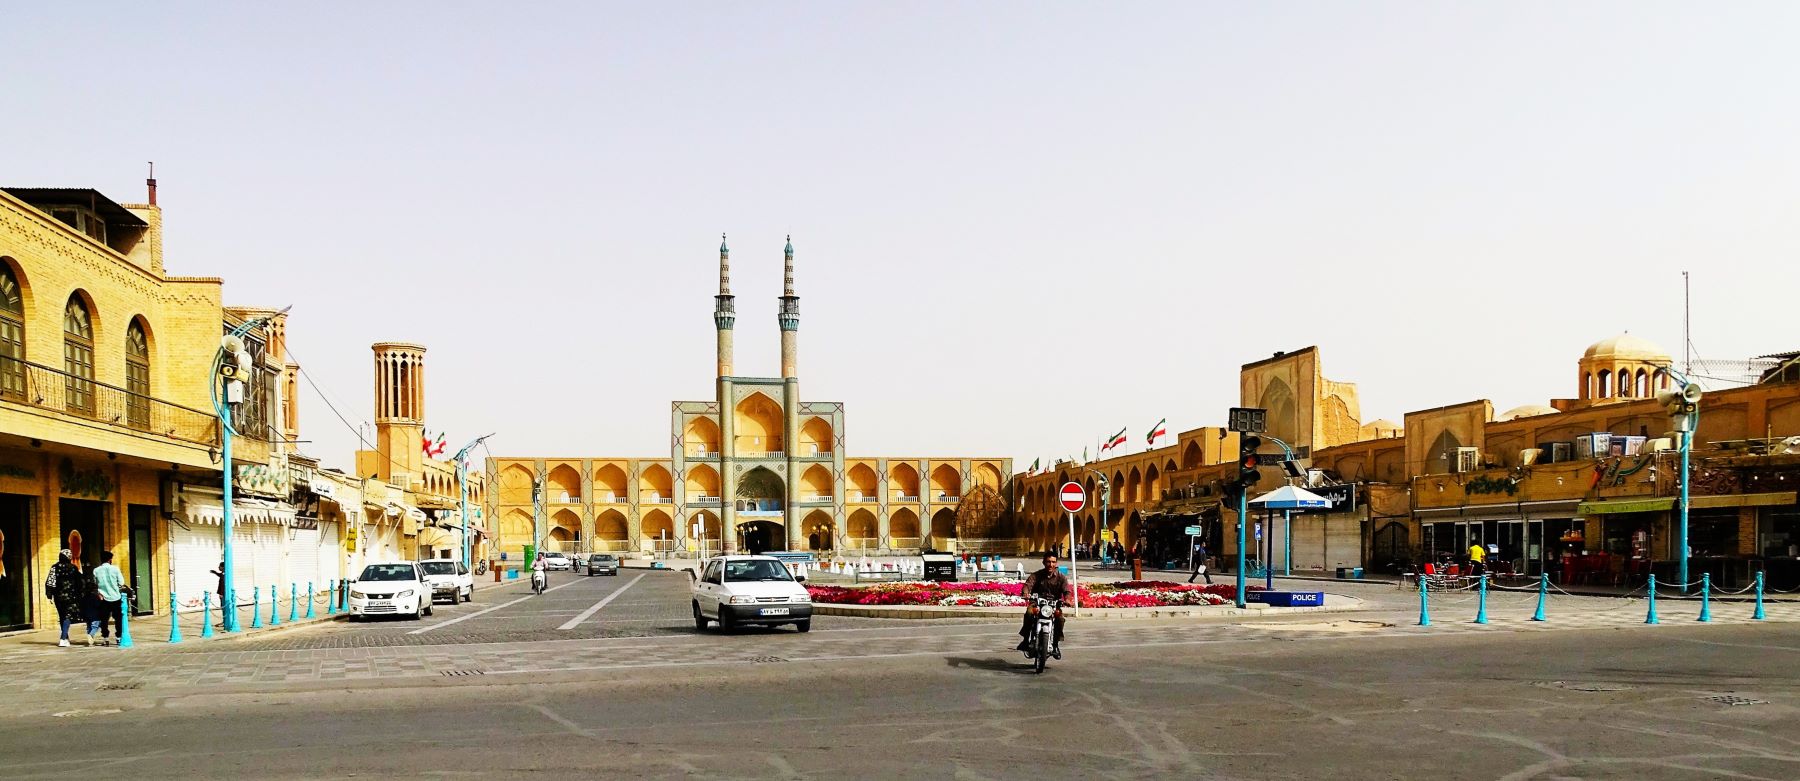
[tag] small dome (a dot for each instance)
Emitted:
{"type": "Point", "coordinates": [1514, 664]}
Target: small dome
{"type": "Point", "coordinates": [722, 248]}
{"type": "Point", "coordinates": [790, 246]}
{"type": "Point", "coordinates": [1526, 411]}
{"type": "Point", "coordinates": [1625, 346]}
{"type": "Point", "coordinates": [1380, 428]}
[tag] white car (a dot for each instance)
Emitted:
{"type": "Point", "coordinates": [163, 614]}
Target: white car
{"type": "Point", "coordinates": [750, 590]}
{"type": "Point", "coordinates": [390, 589]}
{"type": "Point", "coordinates": [448, 579]}
{"type": "Point", "coordinates": [556, 561]}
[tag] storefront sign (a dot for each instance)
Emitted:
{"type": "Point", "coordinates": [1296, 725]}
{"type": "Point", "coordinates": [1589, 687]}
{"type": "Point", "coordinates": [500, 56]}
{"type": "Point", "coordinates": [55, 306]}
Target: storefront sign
{"type": "Point", "coordinates": [92, 482]}
{"type": "Point", "coordinates": [263, 480]}
{"type": "Point", "coordinates": [322, 487]}
{"type": "Point", "coordinates": [8, 470]}
{"type": "Point", "coordinates": [1342, 497]}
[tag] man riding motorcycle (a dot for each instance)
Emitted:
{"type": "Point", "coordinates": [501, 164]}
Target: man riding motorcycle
{"type": "Point", "coordinates": [540, 573]}
{"type": "Point", "coordinates": [1051, 584]}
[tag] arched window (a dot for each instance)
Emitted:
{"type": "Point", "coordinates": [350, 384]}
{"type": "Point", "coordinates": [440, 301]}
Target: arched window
{"type": "Point", "coordinates": [12, 334]}
{"type": "Point", "coordinates": [137, 376]}
{"type": "Point", "coordinates": [1606, 386]}
{"type": "Point", "coordinates": [78, 357]}
{"type": "Point", "coordinates": [1643, 385]}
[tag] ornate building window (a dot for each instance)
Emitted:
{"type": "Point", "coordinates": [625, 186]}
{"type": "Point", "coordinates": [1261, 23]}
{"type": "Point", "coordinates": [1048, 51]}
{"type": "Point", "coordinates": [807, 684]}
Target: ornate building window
{"type": "Point", "coordinates": [78, 357]}
{"type": "Point", "coordinates": [137, 376]}
{"type": "Point", "coordinates": [12, 335]}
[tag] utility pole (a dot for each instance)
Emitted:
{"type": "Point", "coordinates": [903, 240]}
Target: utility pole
{"type": "Point", "coordinates": [233, 364]}
{"type": "Point", "coordinates": [462, 479]}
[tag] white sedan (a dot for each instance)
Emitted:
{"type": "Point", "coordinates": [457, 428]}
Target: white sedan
{"type": "Point", "coordinates": [390, 589]}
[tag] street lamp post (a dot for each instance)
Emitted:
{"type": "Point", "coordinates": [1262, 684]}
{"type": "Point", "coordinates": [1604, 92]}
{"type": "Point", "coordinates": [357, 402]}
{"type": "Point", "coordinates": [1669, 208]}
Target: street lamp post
{"type": "Point", "coordinates": [1105, 510]}
{"type": "Point", "coordinates": [1683, 405]}
{"type": "Point", "coordinates": [222, 406]}
{"type": "Point", "coordinates": [1287, 527]}
{"type": "Point", "coordinates": [462, 479]}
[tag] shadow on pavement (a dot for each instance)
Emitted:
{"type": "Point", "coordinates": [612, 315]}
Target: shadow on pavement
{"type": "Point", "coordinates": [990, 664]}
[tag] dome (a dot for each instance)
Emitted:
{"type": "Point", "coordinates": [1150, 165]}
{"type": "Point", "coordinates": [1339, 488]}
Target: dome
{"type": "Point", "coordinates": [1625, 346]}
{"type": "Point", "coordinates": [1380, 428]}
{"type": "Point", "coordinates": [1526, 411]}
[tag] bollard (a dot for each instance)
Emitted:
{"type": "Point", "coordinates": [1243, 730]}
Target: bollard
{"type": "Point", "coordinates": [343, 596]}
{"type": "Point", "coordinates": [309, 597]}
{"type": "Point", "coordinates": [1705, 597]}
{"type": "Point", "coordinates": [1650, 618]}
{"type": "Point", "coordinates": [206, 614]}
{"type": "Point", "coordinates": [1481, 611]}
{"type": "Point", "coordinates": [293, 602]}
{"type": "Point", "coordinates": [1758, 615]}
{"type": "Point", "coordinates": [1543, 593]}
{"type": "Point", "coordinates": [228, 616]}
{"type": "Point", "coordinates": [274, 605]}
{"type": "Point", "coordinates": [1424, 605]}
{"type": "Point", "coordinates": [124, 622]}
{"type": "Point", "coordinates": [331, 597]}
{"type": "Point", "coordinates": [174, 620]}
{"type": "Point", "coordinates": [256, 607]}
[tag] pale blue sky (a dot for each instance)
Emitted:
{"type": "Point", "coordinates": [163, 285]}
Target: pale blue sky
{"type": "Point", "coordinates": [1019, 225]}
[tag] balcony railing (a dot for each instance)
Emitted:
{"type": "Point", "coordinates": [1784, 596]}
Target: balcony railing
{"type": "Point", "coordinates": [863, 497]}
{"type": "Point", "coordinates": [52, 389]}
{"type": "Point", "coordinates": [904, 543]}
{"type": "Point", "coordinates": [906, 498]}
{"type": "Point", "coordinates": [703, 501]}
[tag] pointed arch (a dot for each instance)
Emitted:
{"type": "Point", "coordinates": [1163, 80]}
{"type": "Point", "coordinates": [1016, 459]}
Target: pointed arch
{"type": "Point", "coordinates": [815, 437]}
{"type": "Point", "coordinates": [757, 425]}
{"type": "Point", "coordinates": [515, 527]}
{"type": "Point", "coordinates": [565, 527]}
{"type": "Point", "coordinates": [563, 486]}
{"type": "Point", "coordinates": [611, 525]}
{"type": "Point", "coordinates": [137, 373]}
{"type": "Point", "coordinates": [610, 484]}
{"type": "Point", "coordinates": [903, 482]}
{"type": "Point", "coordinates": [1278, 399]}
{"type": "Point", "coordinates": [1153, 487]}
{"type": "Point", "coordinates": [1134, 485]}
{"type": "Point", "coordinates": [903, 524]}
{"type": "Point", "coordinates": [943, 526]}
{"type": "Point", "coordinates": [760, 491]}
{"type": "Point", "coordinates": [13, 305]}
{"type": "Point", "coordinates": [815, 484]}
{"type": "Point", "coordinates": [702, 482]}
{"type": "Point", "coordinates": [701, 437]}
{"type": "Point", "coordinates": [78, 353]}
{"type": "Point", "coordinates": [946, 482]}
{"type": "Point", "coordinates": [863, 527]}
{"type": "Point", "coordinates": [1191, 455]}
{"type": "Point", "coordinates": [986, 474]}
{"type": "Point", "coordinates": [863, 483]}
{"type": "Point", "coordinates": [655, 486]}
{"type": "Point", "coordinates": [819, 531]}
{"type": "Point", "coordinates": [658, 526]}
{"type": "Point", "coordinates": [514, 484]}
{"type": "Point", "coordinates": [710, 526]}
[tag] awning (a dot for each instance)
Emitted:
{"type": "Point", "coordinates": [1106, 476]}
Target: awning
{"type": "Point", "coordinates": [1611, 506]}
{"type": "Point", "coordinates": [214, 514]}
{"type": "Point", "coordinates": [434, 538]}
{"type": "Point", "coordinates": [1288, 497]}
{"type": "Point", "coordinates": [1772, 499]}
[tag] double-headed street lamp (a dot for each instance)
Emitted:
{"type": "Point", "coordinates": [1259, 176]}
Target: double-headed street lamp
{"type": "Point", "coordinates": [1683, 404]}
{"type": "Point", "coordinates": [462, 479]}
{"type": "Point", "coordinates": [234, 364]}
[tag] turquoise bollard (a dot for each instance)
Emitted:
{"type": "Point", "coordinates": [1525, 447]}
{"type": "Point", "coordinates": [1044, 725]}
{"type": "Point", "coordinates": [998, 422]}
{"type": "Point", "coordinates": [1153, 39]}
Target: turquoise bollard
{"type": "Point", "coordinates": [1481, 611]}
{"type": "Point", "coordinates": [1705, 598]}
{"type": "Point", "coordinates": [124, 622]}
{"type": "Point", "coordinates": [274, 605]}
{"type": "Point", "coordinates": [174, 620]}
{"type": "Point", "coordinates": [331, 597]}
{"type": "Point", "coordinates": [1650, 618]}
{"type": "Point", "coordinates": [206, 614]}
{"type": "Point", "coordinates": [1424, 604]}
{"type": "Point", "coordinates": [1543, 594]}
{"type": "Point", "coordinates": [309, 599]}
{"type": "Point", "coordinates": [293, 602]}
{"type": "Point", "coordinates": [1759, 615]}
{"type": "Point", "coordinates": [256, 607]}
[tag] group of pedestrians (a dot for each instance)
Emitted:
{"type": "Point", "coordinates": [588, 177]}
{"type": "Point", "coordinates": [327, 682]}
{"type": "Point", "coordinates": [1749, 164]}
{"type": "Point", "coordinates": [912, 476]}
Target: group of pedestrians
{"type": "Point", "coordinates": [95, 598]}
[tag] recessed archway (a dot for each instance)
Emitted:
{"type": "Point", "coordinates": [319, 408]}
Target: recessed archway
{"type": "Point", "coordinates": [563, 485]}
{"type": "Point", "coordinates": [757, 425]}
{"type": "Point", "coordinates": [659, 528]}
{"type": "Point", "coordinates": [702, 483]}
{"type": "Point", "coordinates": [863, 529]}
{"type": "Point", "coordinates": [946, 482]}
{"type": "Point", "coordinates": [760, 492]}
{"type": "Point", "coordinates": [903, 482]}
{"type": "Point", "coordinates": [610, 484]}
{"type": "Point", "coordinates": [815, 437]}
{"type": "Point", "coordinates": [943, 526]}
{"type": "Point", "coordinates": [701, 438]}
{"type": "Point", "coordinates": [819, 531]}
{"type": "Point", "coordinates": [863, 484]}
{"type": "Point", "coordinates": [654, 485]}
{"type": "Point", "coordinates": [610, 528]}
{"type": "Point", "coordinates": [903, 526]}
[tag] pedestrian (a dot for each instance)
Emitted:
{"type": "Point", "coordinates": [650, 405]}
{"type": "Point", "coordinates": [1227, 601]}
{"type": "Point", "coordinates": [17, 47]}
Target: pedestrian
{"type": "Point", "coordinates": [109, 600]}
{"type": "Point", "coordinates": [219, 591]}
{"type": "Point", "coordinates": [65, 587]}
{"type": "Point", "coordinates": [1200, 562]}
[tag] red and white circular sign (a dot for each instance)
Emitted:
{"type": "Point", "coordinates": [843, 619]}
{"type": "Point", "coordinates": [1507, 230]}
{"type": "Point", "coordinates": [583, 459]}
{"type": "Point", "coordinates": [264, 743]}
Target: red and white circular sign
{"type": "Point", "coordinates": [1073, 498]}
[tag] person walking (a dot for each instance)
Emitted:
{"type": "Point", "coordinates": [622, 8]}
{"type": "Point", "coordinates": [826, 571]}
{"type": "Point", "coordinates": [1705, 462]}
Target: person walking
{"type": "Point", "coordinates": [65, 586]}
{"type": "Point", "coordinates": [109, 600]}
{"type": "Point", "coordinates": [1200, 563]}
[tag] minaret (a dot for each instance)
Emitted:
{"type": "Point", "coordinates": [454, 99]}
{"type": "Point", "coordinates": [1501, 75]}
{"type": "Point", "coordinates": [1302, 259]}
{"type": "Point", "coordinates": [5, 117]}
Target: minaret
{"type": "Point", "coordinates": [789, 316]}
{"type": "Point", "coordinates": [724, 311]}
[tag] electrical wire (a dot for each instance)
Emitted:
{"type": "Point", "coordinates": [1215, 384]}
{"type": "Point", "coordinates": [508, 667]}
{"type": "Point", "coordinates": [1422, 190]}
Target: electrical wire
{"type": "Point", "coordinates": [301, 368]}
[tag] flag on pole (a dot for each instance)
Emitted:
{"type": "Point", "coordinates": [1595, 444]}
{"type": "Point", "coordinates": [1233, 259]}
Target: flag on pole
{"type": "Point", "coordinates": [1161, 429]}
{"type": "Point", "coordinates": [1114, 441]}
{"type": "Point", "coordinates": [1034, 467]}
{"type": "Point", "coordinates": [1084, 454]}
{"type": "Point", "coordinates": [433, 447]}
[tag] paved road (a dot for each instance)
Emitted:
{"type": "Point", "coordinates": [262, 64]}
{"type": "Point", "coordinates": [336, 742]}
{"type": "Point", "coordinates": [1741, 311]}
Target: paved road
{"type": "Point", "coordinates": [1641, 704]}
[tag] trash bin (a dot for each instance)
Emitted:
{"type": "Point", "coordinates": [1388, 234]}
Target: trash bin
{"type": "Point", "coordinates": [939, 566]}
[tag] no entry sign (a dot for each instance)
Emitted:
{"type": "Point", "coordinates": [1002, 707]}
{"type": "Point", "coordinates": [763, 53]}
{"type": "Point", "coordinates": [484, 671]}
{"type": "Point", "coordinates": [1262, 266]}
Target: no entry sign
{"type": "Point", "coordinates": [1073, 498]}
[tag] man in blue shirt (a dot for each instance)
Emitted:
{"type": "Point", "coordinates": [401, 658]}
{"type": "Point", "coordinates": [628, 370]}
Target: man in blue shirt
{"type": "Point", "coordinates": [109, 585]}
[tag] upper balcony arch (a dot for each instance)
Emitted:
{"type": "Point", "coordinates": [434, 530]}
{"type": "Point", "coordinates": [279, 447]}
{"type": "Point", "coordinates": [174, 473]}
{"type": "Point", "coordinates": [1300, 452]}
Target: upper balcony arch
{"type": "Point", "coordinates": [757, 426]}
{"type": "Point", "coordinates": [610, 484]}
{"type": "Point", "coordinates": [815, 437]}
{"type": "Point", "coordinates": [863, 483]}
{"type": "Point", "coordinates": [563, 485]}
{"type": "Point", "coordinates": [655, 486]}
{"type": "Point", "coordinates": [946, 482]}
{"type": "Point", "coordinates": [903, 482]}
{"type": "Point", "coordinates": [701, 436]}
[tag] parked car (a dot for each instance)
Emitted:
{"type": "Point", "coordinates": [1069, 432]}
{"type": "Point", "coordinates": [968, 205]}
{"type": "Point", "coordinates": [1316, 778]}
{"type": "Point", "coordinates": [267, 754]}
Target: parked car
{"type": "Point", "coordinates": [390, 589]}
{"type": "Point", "coordinates": [556, 560]}
{"type": "Point", "coordinates": [750, 590]}
{"type": "Point", "coordinates": [448, 579]}
{"type": "Point", "coordinates": [602, 564]}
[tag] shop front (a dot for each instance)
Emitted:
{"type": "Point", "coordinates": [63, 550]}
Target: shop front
{"type": "Point", "coordinates": [15, 562]}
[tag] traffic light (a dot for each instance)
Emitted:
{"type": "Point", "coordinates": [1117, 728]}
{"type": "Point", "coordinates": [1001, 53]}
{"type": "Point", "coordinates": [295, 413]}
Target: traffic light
{"type": "Point", "coordinates": [1249, 460]}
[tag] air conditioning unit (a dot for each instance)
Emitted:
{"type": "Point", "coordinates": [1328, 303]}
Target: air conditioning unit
{"type": "Point", "coordinates": [1657, 445]}
{"type": "Point", "coordinates": [1468, 459]}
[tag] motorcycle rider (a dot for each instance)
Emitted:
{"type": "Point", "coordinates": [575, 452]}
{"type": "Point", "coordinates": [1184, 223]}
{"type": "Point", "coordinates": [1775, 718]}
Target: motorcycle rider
{"type": "Point", "coordinates": [1048, 583]}
{"type": "Point", "coordinates": [540, 573]}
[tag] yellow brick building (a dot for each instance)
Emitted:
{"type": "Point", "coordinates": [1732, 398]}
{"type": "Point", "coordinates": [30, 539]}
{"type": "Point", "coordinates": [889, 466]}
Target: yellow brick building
{"type": "Point", "coordinates": [757, 467]}
{"type": "Point", "coordinates": [105, 410]}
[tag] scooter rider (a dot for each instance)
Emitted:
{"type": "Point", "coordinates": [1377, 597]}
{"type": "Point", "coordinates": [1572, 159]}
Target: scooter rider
{"type": "Point", "coordinates": [1050, 583]}
{"type": "Point", "coordinates": [540, 573]}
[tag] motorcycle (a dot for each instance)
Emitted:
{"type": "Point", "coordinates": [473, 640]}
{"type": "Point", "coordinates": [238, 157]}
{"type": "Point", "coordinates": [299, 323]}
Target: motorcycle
{"type": "Point", "coordinates": [1042, 643]}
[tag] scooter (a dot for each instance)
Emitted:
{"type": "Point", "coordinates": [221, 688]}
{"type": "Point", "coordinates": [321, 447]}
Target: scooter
{"type": "Point", "coordinates": [538, 582]}
{"type": "Point", "coordinates": [1042, 643]}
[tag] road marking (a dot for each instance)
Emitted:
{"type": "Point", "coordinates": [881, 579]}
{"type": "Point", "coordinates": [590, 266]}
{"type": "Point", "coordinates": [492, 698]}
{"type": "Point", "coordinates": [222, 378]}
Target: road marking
{"type": "Point", "coordinates": [585, 614]}
{"type": "Point", "coordinates": [486, 610]}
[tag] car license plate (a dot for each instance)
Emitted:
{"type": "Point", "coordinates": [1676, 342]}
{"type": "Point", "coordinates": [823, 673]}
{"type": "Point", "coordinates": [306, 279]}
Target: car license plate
{"type": "Point", "coordinates": [774, 611]}
{"type": "Point", "coordinates": [378, 603]}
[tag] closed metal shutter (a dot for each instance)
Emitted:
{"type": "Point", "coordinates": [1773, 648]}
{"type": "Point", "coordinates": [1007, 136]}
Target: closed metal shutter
{"type": "Point", "coordinates": [329, 559]}
{"type": "Point", "coordinates": [1309, 542]}
{"type": "Point", "coordinates": [303, 557]}
{"type": "Point", "coordinates": [193, 553]}
{"type": "Point", "coordinates": [1343, 542]}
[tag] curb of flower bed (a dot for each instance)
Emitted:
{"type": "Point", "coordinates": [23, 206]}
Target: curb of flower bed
{"type": "Point", "coordinates": [1344, 604]}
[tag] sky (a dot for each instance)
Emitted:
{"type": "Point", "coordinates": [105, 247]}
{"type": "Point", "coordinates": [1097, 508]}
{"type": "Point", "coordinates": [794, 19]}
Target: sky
{"type": "Point", "coordinates": [1018, 226]}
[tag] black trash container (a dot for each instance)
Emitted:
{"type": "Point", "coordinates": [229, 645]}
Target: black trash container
{"type": "Point", "coordinates": [940, 566]}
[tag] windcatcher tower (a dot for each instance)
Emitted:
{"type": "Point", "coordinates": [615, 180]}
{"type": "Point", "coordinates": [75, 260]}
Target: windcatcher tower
{"type": "Point", "coordinates": [399, 412]}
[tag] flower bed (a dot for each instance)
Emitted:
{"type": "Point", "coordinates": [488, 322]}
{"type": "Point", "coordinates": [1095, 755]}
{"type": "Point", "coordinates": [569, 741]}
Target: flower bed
{"type": "Point", "coordinates": [1138, 593]}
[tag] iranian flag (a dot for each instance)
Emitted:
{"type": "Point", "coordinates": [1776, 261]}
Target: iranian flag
{"type": "Point", "coordinates": [1034, 467]}
{"type": "Point", "coordinates": [1161, 429]}
{"type": "Point", "coordinates": [1114, 441]}
{"type": "Point", "coordinates": [434, 448]}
